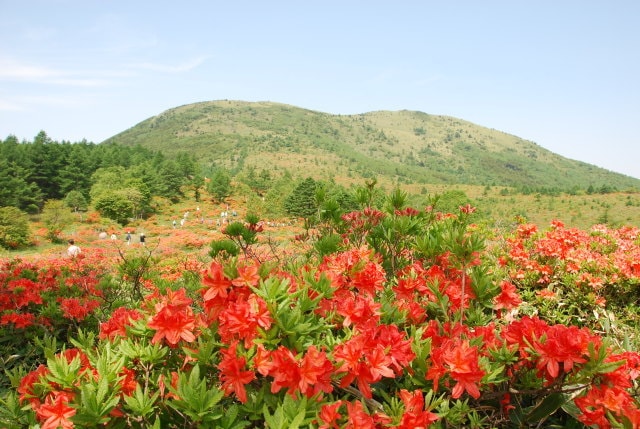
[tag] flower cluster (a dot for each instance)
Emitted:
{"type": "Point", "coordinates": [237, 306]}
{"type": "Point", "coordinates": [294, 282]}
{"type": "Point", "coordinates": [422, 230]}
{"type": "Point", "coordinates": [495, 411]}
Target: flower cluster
{"type": "Point", "coordinates": [28, 291]}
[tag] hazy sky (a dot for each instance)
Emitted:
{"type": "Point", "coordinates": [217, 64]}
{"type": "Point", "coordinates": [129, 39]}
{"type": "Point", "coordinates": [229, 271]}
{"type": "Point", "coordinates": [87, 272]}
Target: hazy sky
{"type": "Point", "coordinates": [563, 74]}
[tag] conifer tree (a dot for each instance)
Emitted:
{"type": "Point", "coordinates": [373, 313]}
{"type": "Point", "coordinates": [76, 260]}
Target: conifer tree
{"type": "Point", "coordinates": [302, 201]}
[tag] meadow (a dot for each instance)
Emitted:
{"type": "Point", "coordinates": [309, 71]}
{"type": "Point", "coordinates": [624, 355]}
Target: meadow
{"type": "Point", "coordinates": [392, 316]}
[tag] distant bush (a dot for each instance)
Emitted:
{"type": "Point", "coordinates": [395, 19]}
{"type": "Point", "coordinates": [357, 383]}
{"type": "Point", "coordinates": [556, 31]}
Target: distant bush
{"type": "Point", "coordinates": [14, 228]}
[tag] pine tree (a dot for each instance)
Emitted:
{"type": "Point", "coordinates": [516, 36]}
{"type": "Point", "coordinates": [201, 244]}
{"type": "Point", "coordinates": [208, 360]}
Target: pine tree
{"type": "Point", "coordinates": [302, 201]}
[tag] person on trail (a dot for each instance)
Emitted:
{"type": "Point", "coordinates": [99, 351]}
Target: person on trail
{"type": "Point", "coordinates": [142, 237]}
{"type": "Point", "coordinates": [73, 250]}
{"type": "Point", "coordinates": [128, 238]}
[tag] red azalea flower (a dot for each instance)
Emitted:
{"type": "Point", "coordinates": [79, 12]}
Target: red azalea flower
{"type": "Point", "coordinates": [262, 361]}
{"type": "Point", "coordinates": [128, 382]}
{"type": "Point", "coordinates": [78, 309]}
{"type": "Point", "coordinates": [508, 297]}
{"type": "Point", "coordinates": [284, 371]}
{"type": "Point", "coordinates": [56, 412]}
{"type": "Point", "coordinates": [174, 319]}
{"type": "Point", "coordinates": [597, 402]}
{"type": "Point", "coordinates": [173, 326]}
{"type": "Point", "coordinates": [216, 283]}
{"type": "Point", "coordinates": [370, 279]}
{"type": "Point", "coordinates": [315, 372]}
{"type": "Point", "coordinates": [309, 375]}
{"type": "Point", "coordinates": [329, 415]}
{"type": "Point", "coordinates": [233, 374]}
{"type": "Point", "coordinates": [357, 309]}
{"type": "Point", "coordinates": [247, 276]}
{"type": "Point", "coordinates": [467, 209]}
{"type": "Point", "coordinates": [415, 416]}
{"type": "Point", "coordinates": [243, 318]}
{"type": "Point", "coordinates": [19, 320]}
{"type": "Point", "coordinates": [117, 324]}
{"type": "Point", "coordinates": [566, 345]}
{"type": "Point", "coordinates": [461, 361]}
{"type": "Point", "coordinates": [363, 361]}
{"type": "Point", "coordinates": [26, 385]}
{"type": "Point", "coordinates": [358, 417]}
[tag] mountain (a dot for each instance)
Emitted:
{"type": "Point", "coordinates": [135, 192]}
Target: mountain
{"type": "Point", "coordinates": [399, 146]}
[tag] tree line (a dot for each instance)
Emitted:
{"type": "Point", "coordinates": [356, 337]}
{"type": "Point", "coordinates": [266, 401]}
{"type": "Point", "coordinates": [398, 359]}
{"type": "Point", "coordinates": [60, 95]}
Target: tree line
{"type": "Point", "coordinates": [118, 178]}
{"type": "Point", "coordinates": [33, 172]}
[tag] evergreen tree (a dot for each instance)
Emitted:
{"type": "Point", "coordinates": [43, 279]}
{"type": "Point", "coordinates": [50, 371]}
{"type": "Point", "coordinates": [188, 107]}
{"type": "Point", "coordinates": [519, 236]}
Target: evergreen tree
{"type": "Point", "coordinates": [302, 201]}
{"type": "Point", "coordinates": [76, 173]}
{"type": "Point", "coordinates": [47, 159]}
{"type": "Point", "coordinates": [220, 185]}
{"type": "Point", "coordinates": [14, 189]}
{"type": "Point", "coordinates": [170, 181]}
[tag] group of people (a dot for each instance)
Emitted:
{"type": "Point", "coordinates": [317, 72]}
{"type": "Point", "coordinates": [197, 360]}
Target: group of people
{"type": "Point", "coordinates": [184, 218]}
{"type": "Point", "coordinates": [127, 237]}
{"type": "Point", "coordinates": [142, 238]}
{"type": "Point", "coordinates": [74, 250]}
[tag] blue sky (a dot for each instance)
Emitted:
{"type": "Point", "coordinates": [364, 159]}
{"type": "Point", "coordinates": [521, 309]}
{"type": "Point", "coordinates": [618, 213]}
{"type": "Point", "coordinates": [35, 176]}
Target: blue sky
{"type": "Point", "coordinates": [564, 74]}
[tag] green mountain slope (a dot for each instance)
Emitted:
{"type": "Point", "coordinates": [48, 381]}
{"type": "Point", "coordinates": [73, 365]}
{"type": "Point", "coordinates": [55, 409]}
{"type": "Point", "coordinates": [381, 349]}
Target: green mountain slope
{"type": "Point", "coordinates": [400, 146]}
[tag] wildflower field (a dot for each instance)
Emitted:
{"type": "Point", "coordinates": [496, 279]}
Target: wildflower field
{"type": "Point", "coordinates": [388, 317]}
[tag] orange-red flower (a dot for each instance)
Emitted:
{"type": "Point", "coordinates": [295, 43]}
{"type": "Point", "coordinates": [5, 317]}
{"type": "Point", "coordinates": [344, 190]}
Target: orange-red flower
{"type": "Point", "coordinates": [26, 388]}
{"type": "Point", "coordinates": [215, 282]}
{"type": "Point", "coordinates": [461, 361]}
{"type": "Point", "coordinates": [174, 319]}
{"type": "Point", "coordinates": [243, 318]}
{"type": "Point", "coordinates": [247, 276]}
{"type": "Point", "coordinates": [234, 374]}
{"type": "Point", "coordinates": [329, 415]}
{"type": "Point", "coordinates": [508, 297]}
{"type": "Point", "coordinates": [56, 412]}
{"type": "Point", "coordinates": [415, 416]}
{"type": "Point", "coordinates": [117, 324]}
{"type": "Point", "coordinates": [566, 345]}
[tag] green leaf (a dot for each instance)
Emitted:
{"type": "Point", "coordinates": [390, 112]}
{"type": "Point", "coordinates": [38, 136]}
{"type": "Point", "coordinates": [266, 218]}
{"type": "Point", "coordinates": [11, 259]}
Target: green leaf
{"type": "Point", "coordinates": [196, 399]}
{"type": "Point", "coordinates": [545, 408]}
{"type": "Point", "coordinates": [141, 403]}
{"type": "Point", "coordinates": [96, 402]}
{"type": "Point", "coordinates": [11, 414]}
{"type": "Point", "coordinates": [62, 372]}
{"type": "Point", "coordinates": [275, 421]}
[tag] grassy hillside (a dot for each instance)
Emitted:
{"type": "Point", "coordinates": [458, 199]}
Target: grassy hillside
{"type": "Point", "coordinates": [401, 147]}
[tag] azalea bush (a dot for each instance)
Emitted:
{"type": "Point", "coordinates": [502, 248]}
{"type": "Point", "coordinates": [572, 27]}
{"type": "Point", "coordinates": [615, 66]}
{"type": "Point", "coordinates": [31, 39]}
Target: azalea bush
{"type": "Point", "coordinates": [46, 304]}
{"type": "Point", "coordinates": [405, 318]}
{"type": "Point", "coordinates": [584, 278]}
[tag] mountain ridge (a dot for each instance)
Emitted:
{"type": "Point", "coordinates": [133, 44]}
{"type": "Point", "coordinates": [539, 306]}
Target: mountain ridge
{"type": "Point", "coordinates": [404, 146]}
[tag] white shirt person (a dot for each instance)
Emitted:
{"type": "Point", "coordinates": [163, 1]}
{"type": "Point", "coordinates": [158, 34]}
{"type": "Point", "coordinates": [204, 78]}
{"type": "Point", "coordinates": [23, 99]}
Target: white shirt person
{"type": "Point", "coordinates": [73, 250]}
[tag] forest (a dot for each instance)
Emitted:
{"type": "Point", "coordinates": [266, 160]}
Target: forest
{"type": "Point", "coordinates": [34, 172]}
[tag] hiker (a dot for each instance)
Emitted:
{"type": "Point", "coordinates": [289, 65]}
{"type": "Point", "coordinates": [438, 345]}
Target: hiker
{"type": "Point", "coordinates": [73, 250]}
{"type": "Point", "coordinates": [174, 224]}
{"type": "Point", "coordinates": [142, 237]}
{"type": "Point", "coordinates": [128, 238]}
